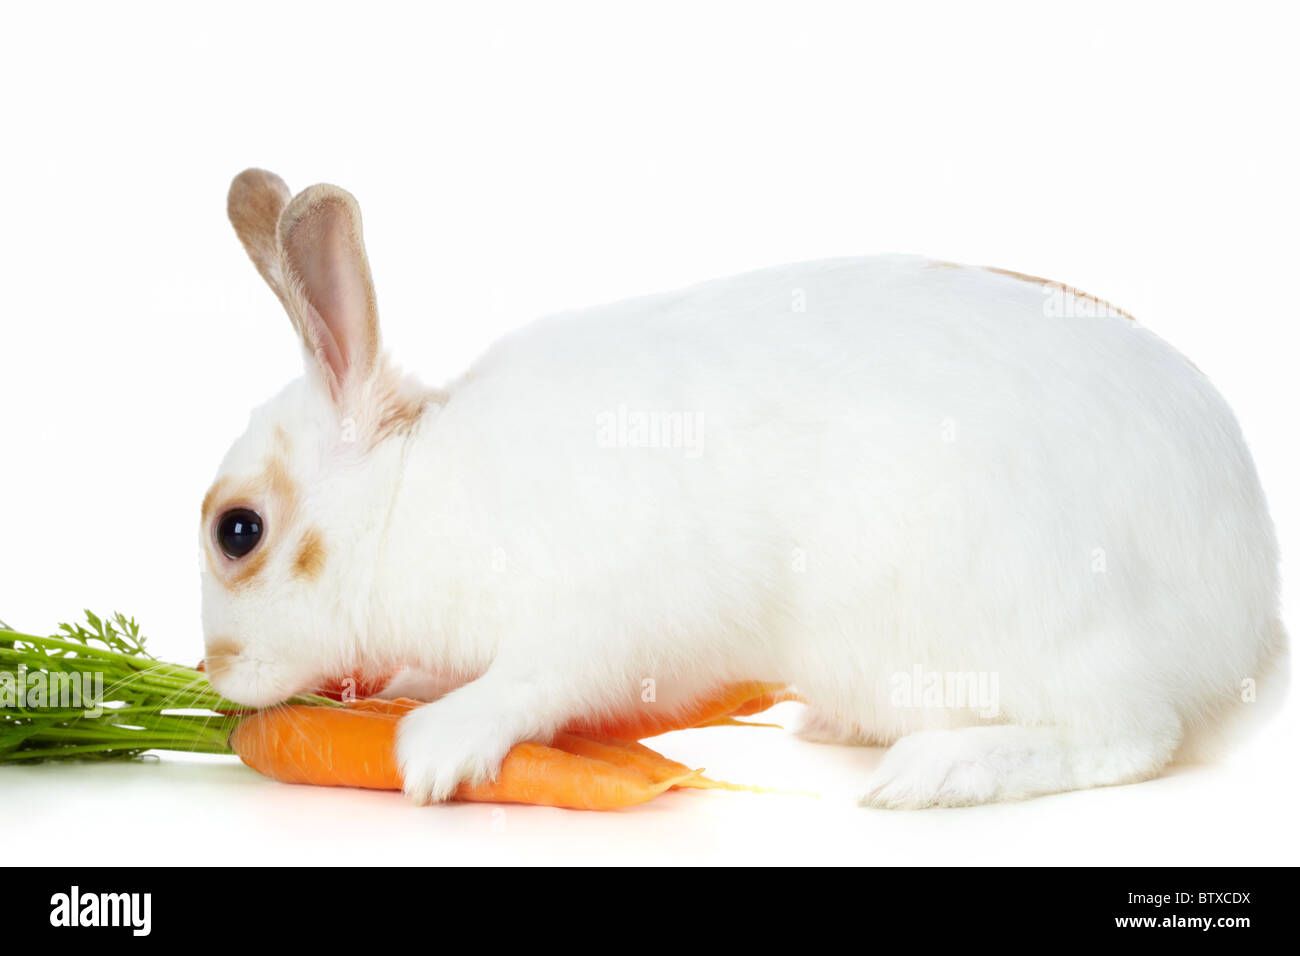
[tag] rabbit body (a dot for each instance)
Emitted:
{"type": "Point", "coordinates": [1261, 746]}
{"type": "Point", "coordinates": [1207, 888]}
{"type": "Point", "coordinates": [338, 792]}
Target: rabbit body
{"type": "Point", "coordinates": [878, 479]}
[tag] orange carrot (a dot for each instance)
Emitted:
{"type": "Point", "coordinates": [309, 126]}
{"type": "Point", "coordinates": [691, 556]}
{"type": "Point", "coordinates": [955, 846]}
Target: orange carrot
{"type": "Point", "coordinates": [353, 747]}
{"type": "Point", "coordinates": [762, 702]}
{"type": "Point", "coordinates": [630, 753]}
{"type": "Point", "coordinates": [733, 722]}
{"type": "Point", "coordinates": [326, 746]}
{"type": "Point", "coordinates": [645, 720]}
{"type": "Point", "coordinates": [624, 753]}
{"type": "Point", "coordinates": [398, 706]}
{"type": "Point", "coordinates": [541, 775]}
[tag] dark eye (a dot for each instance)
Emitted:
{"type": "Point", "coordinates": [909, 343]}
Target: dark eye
{"type": "Point", "coordinates": [238, 532]}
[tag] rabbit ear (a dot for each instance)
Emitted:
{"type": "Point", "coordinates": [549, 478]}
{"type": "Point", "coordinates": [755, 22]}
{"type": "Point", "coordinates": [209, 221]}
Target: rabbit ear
{"type": "Point", "coordinates": [327, 284]}
{"type": "Point", "coordinates": [254, 204]}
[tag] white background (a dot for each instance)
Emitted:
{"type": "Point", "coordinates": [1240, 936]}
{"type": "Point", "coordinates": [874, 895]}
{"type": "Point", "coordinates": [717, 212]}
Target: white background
{"type": "Point", "coordinates": [513, 160]}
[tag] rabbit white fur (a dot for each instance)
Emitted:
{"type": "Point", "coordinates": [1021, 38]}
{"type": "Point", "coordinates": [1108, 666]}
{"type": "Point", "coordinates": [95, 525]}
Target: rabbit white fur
{"type": "Point", "coordinates": [831, 473]}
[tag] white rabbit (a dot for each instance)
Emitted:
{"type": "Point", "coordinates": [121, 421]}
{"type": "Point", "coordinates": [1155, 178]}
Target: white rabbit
{"type": "Point", "coordinates": [873, 478]}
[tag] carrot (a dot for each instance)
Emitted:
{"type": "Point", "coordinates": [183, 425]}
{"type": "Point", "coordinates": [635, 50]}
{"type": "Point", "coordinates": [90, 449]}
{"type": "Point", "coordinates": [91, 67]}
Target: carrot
{"type": "Point", "coordinates": [756, 705]}
{"type": "Point", "coordinates": [353, 747]}
{"type": "Point", "coordinates": [325, 746]}
{"type": "Point", "coordinates": [630, 753]}
{"type": "Point", "coordinates": [733, 722]}
{"type": "Point", "coordinates": [624, 753]}
{"type": "Point", "coordinates": [532, 773]}
{"type": "Point", "coordinates": [603, 767]}
{"type": "Point", "coordinates": [646, 721]}
{"type": "Point", "coordinates": [398, 706]}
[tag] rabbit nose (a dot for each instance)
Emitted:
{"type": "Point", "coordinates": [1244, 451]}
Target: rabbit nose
{"type": "Point", "coordinates": [219, 654]}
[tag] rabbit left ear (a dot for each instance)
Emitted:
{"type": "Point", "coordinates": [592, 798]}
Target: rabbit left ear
{"type": "Point", "coordinates": [327, 287]}
{"type": "Point", "coordinates": [254, 203]}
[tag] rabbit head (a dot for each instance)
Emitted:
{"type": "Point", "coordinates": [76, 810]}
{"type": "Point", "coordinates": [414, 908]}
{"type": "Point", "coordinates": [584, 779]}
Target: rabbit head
{"type": "Point", "coordinates": [299, 500]}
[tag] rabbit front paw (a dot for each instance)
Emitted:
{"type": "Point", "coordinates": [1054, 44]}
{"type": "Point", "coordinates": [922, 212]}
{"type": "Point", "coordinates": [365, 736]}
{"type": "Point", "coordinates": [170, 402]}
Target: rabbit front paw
{"type": "Point", "coordinates": [442, 745]}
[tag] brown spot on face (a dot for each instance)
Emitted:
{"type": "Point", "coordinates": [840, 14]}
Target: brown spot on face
{"type": "Point", "coordinates": [282, 488]}
{"type": "Point", "coordinates": [220, 491]}
{"type": "Point", "coordinates": [311, 555]}
{"type": "Point", "coordinates": [247, 568]}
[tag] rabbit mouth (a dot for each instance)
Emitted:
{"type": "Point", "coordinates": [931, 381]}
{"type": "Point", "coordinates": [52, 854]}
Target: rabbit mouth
{"type": "Point", "coordinates": [353, 686]}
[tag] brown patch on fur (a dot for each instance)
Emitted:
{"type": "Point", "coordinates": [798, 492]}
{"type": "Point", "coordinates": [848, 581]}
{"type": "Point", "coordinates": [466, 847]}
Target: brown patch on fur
{"type": "Point", "coordinates": [1067, 289]}
{"type": "Point", "coordinates": [283, 489]}
{"type": "Point", "coordinates": [221, 646]}
{"type": "Point", "coordinates": [311, 555]}
{"type": "Point", "coordinates": [400, 404]}
{"type": "Point", "coordinates": [1048, 283]}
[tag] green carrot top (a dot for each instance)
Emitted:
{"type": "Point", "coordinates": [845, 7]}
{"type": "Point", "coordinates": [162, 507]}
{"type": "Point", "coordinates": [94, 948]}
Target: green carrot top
{"type": "Point", "coordinates": [93, 691]}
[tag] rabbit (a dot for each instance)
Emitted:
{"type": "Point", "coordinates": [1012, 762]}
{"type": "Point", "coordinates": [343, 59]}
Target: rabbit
{"type": "Point", "coordinates": [871, 478]}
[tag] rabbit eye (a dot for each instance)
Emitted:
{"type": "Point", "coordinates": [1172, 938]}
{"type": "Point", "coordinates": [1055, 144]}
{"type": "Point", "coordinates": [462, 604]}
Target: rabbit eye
{"type": "Point", "coordinates": [238, 532]}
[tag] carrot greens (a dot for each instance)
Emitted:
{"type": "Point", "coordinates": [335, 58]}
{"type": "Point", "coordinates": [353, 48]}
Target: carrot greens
{"type": "Point", "coordinates": [93, 691]}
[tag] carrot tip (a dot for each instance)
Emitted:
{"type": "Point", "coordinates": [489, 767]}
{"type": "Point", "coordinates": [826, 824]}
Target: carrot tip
{"type": "Point", "coordinates": [698, 781]}
{"type": "Point", "coordinates": [733, 722]}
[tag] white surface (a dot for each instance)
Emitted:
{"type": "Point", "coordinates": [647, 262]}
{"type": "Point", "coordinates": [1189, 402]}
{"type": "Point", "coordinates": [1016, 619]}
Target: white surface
{"type": "Point", "coordinates": [214, 811]}
{"type": "Point", "coordinates": [513, 160]}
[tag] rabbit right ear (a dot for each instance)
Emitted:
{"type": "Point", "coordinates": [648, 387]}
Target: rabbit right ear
{"type": "Point", "coordinates": [330, 296]}
{"type": "Point", "coordinates": [254, 204]}
{"type": "Point", "coordinates": [309, 250]}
